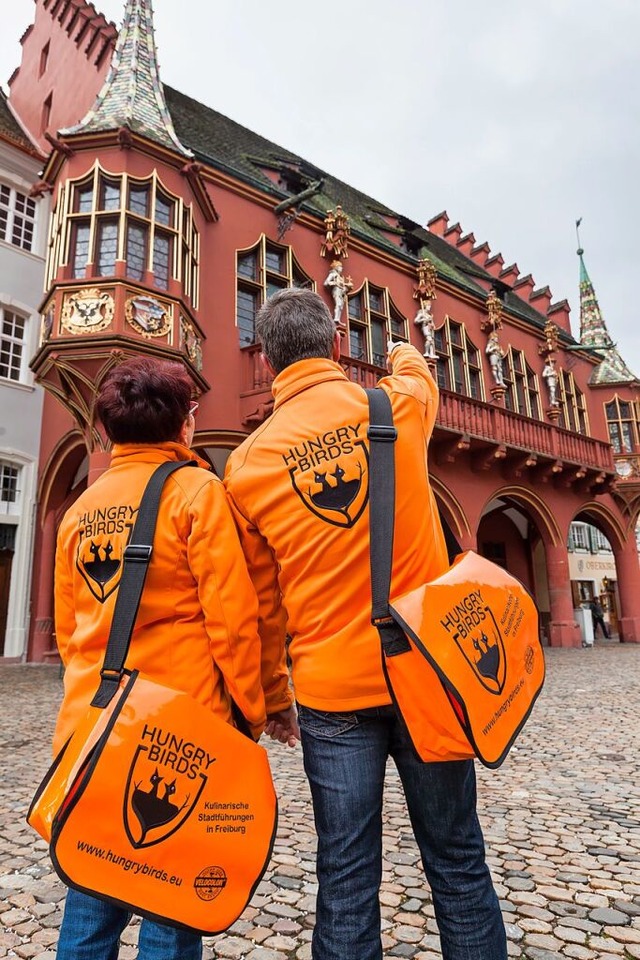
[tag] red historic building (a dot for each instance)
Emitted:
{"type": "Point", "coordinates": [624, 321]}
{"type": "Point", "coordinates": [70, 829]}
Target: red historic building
{"type": "Point", "coordinates": [171, 224]}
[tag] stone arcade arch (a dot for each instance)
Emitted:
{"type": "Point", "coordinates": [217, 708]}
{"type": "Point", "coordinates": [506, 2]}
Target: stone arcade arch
{"type": "Point", "coordinates": [622, 595]}
{"type": "Point", "coordinates": [61, 482]}
{"type": "Point", "coordinates": [518, 530]}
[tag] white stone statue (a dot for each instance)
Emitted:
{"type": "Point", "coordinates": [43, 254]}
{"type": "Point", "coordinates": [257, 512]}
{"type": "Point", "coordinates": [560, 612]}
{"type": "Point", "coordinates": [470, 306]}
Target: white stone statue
{"type": "Point", "coordinates": [424, 320]}
{"type": "Point", "coordinates": [550, 374]}
{"type": "Point", "coordinates": [339, 286]}
{"type": "Point", "coordinates": [496, 357]}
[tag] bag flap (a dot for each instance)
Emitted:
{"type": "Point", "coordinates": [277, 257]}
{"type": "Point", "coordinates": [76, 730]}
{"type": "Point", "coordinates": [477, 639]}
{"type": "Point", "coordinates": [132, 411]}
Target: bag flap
{"type": "Point", "coordinates": [478, 627]}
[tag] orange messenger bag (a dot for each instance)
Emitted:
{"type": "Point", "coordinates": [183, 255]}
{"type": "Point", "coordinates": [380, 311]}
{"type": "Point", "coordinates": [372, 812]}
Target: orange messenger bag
{"type": "Point", "coordinates": [154, 803]}
{"type": "Point", "coordinates": [461, 655]}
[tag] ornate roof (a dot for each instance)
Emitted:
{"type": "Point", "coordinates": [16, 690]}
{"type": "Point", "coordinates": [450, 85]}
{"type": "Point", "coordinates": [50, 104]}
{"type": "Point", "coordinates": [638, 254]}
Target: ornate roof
{"type": "Point", "coordinates": [594, 333]}
{"type": "Point", "coordinates": [10, 129]}
{"type": "Point", "coordinates": [132, 95]}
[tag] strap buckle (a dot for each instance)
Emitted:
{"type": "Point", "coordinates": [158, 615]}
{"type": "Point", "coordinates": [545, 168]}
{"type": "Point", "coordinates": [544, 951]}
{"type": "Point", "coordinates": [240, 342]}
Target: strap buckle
{"type": "Point", "coordinates": [392, 637]}
{"type": "Point", "coordinates": [113, 676]}
{"type": "Point", "coordinates": [382, 621]}
{"type": "Point", "coordinates": [382, 432]}
{"type": "Point", "coordinates": [137, 553]}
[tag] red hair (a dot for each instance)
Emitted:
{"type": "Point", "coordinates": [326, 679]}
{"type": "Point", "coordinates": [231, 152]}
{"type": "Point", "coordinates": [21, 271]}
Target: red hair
{"type": "Point", "coordinates": [144, 400]}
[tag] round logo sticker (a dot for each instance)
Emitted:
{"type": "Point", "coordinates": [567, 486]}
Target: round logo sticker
{"type": "Point", "coordinates": [210, 882]}
{"type": "Point", "coordinates": [528, 659]}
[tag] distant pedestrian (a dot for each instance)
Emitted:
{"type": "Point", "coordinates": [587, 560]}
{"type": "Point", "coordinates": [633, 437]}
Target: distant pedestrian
{"type": "Point", "coordinates": [597, 617]}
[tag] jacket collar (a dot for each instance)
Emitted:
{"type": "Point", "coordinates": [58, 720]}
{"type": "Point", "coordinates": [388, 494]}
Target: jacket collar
{"type": "Point", "coordinates": [153, 453]}
{"type": "Point", "coordinates": [302, 375]}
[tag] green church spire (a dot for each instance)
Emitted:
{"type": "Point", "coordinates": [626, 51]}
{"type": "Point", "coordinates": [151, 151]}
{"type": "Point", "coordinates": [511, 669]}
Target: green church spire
{"type": "Point", "coordinates": [594, 332]}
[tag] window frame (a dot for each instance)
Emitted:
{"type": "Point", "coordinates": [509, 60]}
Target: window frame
{"type": "Point", "coordinates": [73, 214]}
{"type": "Point", "coordinates": [21, 343]}
{"type": "Point", "coordinates": [574, 415]}
{"type": "Point", "coordinates": [376, 311]}
{"type": "Point", "coordinates": [452, 351]}
{"type": "Point", "coordinates": [523, 390]}
{"type": "Point", "coordinates": [10, 506]}
{"type": "Point", "coordinates": [619, 421]}
{"type": "Point", "coordinates": [265, 280]}
{"type": "Point", "coordinates": [28, 218]}
{"type": "Point", "coordinates": [579, 537]}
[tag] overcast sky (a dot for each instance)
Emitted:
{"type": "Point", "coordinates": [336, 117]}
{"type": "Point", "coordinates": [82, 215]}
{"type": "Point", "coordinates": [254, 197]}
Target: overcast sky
{"type": "Point", "coordinates": [515, 117]}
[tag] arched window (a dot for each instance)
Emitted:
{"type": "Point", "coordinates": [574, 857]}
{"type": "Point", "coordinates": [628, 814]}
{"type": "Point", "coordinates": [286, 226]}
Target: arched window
{"type": "Point", "coordinates": [372, 320]}
{"type": "Point", "coordinates": [459, 366]}
{"type": "Point", "coordinates": [623, 429]}
{"type": "Point", "coordinates": [261, 271]}
{"type": "Point", "coordinates": [522, 385]}
{"type": "Point", "coordinates": [573, 411]}
{"type": "Point", "coordinates": [119, 218]}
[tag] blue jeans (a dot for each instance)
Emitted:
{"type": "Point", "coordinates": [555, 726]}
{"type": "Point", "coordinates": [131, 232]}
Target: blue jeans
{"type": "Point", "coordinates": [91, 930]}
{"type": "Point", "coordinates": [345, 756]}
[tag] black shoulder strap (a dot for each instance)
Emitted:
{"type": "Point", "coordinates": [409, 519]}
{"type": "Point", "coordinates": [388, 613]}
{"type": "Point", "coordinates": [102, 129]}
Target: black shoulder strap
{"type": "Point", "coordinates": [136, 559]}
{"type": "Point", "coordinates": [382, 496]}
{"type": "Point", "coordinates": [382, 435]}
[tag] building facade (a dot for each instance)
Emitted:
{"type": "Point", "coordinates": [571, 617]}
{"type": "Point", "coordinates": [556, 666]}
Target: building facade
{"type": "Point", "coordinates": [171, 224]}
{"type": "Point", "coordinates": [23, 234]}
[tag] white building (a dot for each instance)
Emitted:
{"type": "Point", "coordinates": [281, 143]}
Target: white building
{"type": "Point", "coordinates": [23, 239]}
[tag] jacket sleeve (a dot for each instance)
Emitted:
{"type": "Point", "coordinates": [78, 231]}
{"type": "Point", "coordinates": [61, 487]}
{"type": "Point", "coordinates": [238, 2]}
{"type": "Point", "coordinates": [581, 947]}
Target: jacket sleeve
{"type": "Point", "coordinates": [272, 616]}
{"type": "Point", "coordinates": [64, 609]}
{"type": "Point", "coordinates": [228, 600]}
{"type": "Point", "coordinates": [411, 375]}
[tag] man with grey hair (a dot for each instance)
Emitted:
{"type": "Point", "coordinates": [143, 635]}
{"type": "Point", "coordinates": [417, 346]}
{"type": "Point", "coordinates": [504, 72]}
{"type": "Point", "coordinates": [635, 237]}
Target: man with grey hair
{"type": "Point", "coordinates": [299, 491]}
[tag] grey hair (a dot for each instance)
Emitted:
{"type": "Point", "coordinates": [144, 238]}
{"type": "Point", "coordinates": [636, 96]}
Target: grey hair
{"type": "Point", "coordinates": [295, 324]}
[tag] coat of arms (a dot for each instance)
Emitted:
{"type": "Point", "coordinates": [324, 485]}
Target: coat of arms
{"type": "Point", "coordinates": [148, 316]}
{"type": "Point", "coordinates": [190, 343]}
{"type": "Point", "coordinates": [87, 311]}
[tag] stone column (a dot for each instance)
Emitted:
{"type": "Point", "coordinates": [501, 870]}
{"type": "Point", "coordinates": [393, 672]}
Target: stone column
{"type": "Point", "coordinates": [628, 574]}
{"type": "Point", "coordinates": [42, 643]}
{"type": "Point", "coordinates": [563, 629]}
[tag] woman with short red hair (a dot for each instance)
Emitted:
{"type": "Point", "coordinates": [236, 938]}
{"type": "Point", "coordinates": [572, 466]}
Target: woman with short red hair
{"type": "Point", "coordinates": [196, 628]}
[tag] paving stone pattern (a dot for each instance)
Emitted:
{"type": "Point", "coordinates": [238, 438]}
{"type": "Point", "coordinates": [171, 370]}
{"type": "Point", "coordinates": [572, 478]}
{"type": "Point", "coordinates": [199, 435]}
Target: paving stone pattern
{"type": "Point", "coordinates": [561, 821]}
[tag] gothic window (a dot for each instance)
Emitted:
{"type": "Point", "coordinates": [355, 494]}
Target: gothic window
{"type": "Point", "coordinates": [261, 271]}
{"type": "Point", "coordinates": [12, 343]}
{"type": "Point", "coordinates": [372, 319]}
{"type": "Point", "coordinates": [17, 217]}
{"type": "Point", "coordinates": [137, 222]}
{"type": "Point", "coordinates": [573, 411]}
{"type": "Point", "coordinates": [522, 385]}
{"type": "Point", "coordinates": [459, 365]}
{"type": "Point", "coordinates": [622, 425]}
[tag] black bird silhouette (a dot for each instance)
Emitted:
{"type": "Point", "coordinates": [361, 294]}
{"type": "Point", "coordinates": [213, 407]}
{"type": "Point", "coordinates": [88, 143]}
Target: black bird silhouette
{"type": "Point", "coordinates": [489, 660]}
{"type": "Point", "coordinates": [337, 496]}
{"type": "Point", "coordinates": [150, 809]}
{"type": "Point", "coordinates": [101, 569]}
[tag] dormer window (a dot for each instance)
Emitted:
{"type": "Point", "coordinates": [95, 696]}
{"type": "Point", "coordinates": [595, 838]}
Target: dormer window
{"type": "Point", "coordinates": [622, 425]}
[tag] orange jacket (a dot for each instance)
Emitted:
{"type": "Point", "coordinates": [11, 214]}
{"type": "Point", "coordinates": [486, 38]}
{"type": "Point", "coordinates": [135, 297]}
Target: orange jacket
{"type": "Point", "coordinates": [196, 625]}
{"type": "Point", "coordinates": [298, 489]}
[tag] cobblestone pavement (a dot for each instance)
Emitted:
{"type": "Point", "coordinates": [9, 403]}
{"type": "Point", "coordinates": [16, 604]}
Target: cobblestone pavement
{"type": "Point", "coordinates": [561, 821]}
